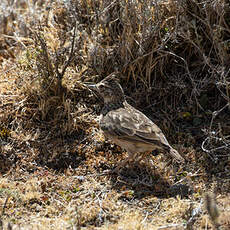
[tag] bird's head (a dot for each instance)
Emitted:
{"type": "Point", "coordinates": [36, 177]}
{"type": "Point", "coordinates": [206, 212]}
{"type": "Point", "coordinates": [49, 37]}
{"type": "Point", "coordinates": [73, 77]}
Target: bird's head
{"type": "Point", "coordinates": [110, 89]}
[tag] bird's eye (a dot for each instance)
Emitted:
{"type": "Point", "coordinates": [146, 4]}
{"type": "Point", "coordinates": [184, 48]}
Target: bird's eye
{"type": "Point", "coordinates": [101, 87]}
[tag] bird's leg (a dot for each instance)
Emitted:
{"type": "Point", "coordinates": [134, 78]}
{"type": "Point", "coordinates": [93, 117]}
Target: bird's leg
{"type": "Point", "coordinates": [140, 157]}
{"type": "Point", "coordinates": [124, 162]}
{"type": "Point", "coordinates": [120, 165]}
{"type": "Point", "coordinates": [145, 157]}
{"type": "Point", "coordinates": [136, 158]}
{"type": "Point", "coordinates": [133, 157]}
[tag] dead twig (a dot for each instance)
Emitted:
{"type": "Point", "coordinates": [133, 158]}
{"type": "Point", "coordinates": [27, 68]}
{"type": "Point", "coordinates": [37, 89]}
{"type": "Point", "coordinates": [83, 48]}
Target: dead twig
{"type": "Point", "coordinates": [210, 205]}
{"type": "Point", "coordinates": [4, 205]}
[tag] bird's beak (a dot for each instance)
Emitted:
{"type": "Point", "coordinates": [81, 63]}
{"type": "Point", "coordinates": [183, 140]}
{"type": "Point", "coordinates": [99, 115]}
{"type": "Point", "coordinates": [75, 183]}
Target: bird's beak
{"type": "Point", "coordinates": [91, 86]}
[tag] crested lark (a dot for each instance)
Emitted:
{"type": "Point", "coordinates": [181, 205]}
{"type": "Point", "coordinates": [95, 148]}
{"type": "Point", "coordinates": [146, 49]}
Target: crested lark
{"type": "Point", "coordinates": [127, 126]}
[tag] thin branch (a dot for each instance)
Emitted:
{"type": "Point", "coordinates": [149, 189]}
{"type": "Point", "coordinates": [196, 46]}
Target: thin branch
{"type": "Point", "coordinates": [71, 56]}
{"type": "Point", "coordinates": [5, 203]}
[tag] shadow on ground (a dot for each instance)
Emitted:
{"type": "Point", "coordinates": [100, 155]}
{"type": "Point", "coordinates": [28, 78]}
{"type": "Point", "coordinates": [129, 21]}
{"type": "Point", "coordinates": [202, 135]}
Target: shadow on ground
{"type": "Point", "coordinates": [147, 181]}
{"type": "Point", "coordinates": [61, 153]}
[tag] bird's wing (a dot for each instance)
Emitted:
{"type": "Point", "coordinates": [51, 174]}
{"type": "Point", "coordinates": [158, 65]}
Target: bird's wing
{"type": "Point", "coordinates": [132, 125]}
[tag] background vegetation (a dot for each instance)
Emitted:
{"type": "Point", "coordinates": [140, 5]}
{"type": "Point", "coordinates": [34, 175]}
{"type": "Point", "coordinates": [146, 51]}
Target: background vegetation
{"type": "Point", "coordinates": [173, 58]}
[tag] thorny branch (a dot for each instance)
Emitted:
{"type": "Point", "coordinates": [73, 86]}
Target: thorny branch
{"type": "Point", "coordinates": [214, 143]}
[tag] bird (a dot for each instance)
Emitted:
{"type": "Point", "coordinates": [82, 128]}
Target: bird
{"type": "Point", "coordinates": [128, 127]}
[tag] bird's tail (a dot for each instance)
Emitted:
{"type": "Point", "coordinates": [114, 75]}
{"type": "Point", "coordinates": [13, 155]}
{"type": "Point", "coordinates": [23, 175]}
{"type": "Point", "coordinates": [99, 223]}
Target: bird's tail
{"type": "Point", "coordinates": [176, 155]}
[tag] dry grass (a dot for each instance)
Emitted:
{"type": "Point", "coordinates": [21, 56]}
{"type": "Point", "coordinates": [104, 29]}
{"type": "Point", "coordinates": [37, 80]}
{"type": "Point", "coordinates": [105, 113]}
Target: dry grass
{"type": "Point", "coordinates": [173, 57]}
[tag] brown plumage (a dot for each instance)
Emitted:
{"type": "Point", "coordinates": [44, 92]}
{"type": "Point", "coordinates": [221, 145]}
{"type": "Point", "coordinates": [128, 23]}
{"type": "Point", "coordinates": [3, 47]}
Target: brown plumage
{"type": "Point", "coordinates": [127, 126]}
